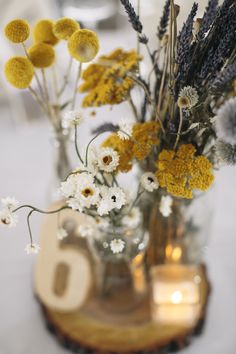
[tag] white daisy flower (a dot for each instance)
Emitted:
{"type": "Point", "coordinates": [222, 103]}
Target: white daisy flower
{"type": "Point", "coordinates": [125, 129]}
{"type": "Point", "coordinates": [117, 245]}
{"type": "Point", "coordinates": [8, 218]}
{"type": "Point", "coordinates": [104, 207]}
{"type": "Point", "coordinates": [86, 193]}
{"type": "Point", "coordinates": [68, 188]}
{"type": "Point", "coordinates": [166, 205]}
{"type": "Point", "coordinates": [71, 118]}
{"type": "Point", "coordinates": [112, 198]}
{"type": "Point", "coordinates": [107, 159]}
{"type": "Point", "coordinates": [61, 233]}
{"type": "Point", "coordinates": [10, 203]}
{"type": "Point", "coordinates": [32, 248]}
{"type": "Point", "coordinates": [149, 182]}
{"type": "Point", "coordinates": [132, 219]}
{"type": "Point", "coordinates": [188, 97]}
{"type": "Point", "coordinates": [85, 230]}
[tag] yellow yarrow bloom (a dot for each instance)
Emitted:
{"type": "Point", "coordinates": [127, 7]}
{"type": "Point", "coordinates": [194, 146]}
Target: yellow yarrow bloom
{"type": "Point", "coordinates": [42, 55]}
{"type": "Point", "coordinates": [65, 27]}
{"type": "Point", "coordinates": [108, 81]}
{"type": "Point", "coordinates": [17, 31]}
{"type": "Point", "coordinates": [43, 32]}
{"type": "Point", "coordinates": [181, 172]}
{"type": "Point", "coordinates": [144, 137]}
{"type": "Point", "coordinates": [19, 71]}
{"type": "Point", "coordinates": [83, 45]}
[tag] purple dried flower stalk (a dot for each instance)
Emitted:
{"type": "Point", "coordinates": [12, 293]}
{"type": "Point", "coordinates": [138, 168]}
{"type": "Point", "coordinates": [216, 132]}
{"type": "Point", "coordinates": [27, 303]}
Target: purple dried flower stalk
{"type": "Point", "coordinates": [106, 127]}
{"type": "Point", "coordinates": [161, 30]}
{"type": "Point", "coordinates": [133, 17]}
{"type": "Point", "coordinates": [208, 17]}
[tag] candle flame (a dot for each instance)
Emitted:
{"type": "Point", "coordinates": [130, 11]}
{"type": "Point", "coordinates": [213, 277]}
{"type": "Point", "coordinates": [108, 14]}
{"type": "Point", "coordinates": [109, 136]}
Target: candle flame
{"type": "Point", "coordinates": [176, 297]}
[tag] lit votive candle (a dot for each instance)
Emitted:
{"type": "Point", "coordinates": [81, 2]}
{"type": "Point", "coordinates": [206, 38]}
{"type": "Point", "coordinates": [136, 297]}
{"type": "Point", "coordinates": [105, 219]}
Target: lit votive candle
{"type": "Point", "coordinates": [175, 294]}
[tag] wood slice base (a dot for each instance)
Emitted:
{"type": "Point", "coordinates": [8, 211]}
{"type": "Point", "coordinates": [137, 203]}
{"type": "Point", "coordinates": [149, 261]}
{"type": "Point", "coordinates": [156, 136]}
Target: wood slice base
{"type": "Point", "coordinates": [92, 329]}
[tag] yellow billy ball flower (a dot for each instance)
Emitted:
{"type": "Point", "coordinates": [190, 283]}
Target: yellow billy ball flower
{"type": "Point", "coordinates": [65, 27]}
{"type": "Point", "coordinates": [17, 31]}
{"type": "Point", "coordinates": [19, 72]}
{"type": "Point", "coordinates": [42, 55]}
{"type": "Point", "coordinates": [43, 32]}
{"type": "Point", "coordinates": [83, 45]}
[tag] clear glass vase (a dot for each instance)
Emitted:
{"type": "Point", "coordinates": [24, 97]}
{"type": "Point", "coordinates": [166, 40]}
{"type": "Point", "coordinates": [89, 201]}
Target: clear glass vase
{"type": "Point", "coordinates": [181, 237]}
{"type": "Point", "coordinates": [121, 282]}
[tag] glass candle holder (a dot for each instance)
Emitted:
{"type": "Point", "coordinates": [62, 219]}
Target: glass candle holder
{"type": "Point", "coordinates": [176, 294]}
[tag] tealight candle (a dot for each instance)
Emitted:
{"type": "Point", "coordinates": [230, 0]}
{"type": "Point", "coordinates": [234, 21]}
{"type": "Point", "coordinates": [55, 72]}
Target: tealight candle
{"type": "Point", "coordinates": [175, 293]}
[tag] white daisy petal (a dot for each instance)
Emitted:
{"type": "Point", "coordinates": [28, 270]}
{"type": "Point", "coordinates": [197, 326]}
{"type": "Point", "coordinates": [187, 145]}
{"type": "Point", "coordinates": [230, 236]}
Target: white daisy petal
{"type": "Point", "coordinates": [32, 248]}
{"type": "Point", "coordinates": [149, 182]}
{"type": "Point", "coordinates": [117, 245]}
{"type": "Point", "coordinates": [166, 205]}
{"type": "Point", "coordinates": [10, 203]}
{"type": "Point", "coordinates": [71, 118]}
{"type": "Point", "coordinates": [125, 129]}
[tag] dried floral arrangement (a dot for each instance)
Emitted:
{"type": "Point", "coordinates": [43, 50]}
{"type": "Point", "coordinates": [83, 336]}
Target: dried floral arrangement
{"type": "Point", "coordinates": [183, 130]}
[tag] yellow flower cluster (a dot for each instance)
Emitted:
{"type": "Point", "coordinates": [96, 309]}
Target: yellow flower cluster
{"type": "Point", "coordinates": [19, 71]}
{"type": "Point", "coordinates": [107, 81]}
{"type": "Point", "coordinates": [181, 172]}
{"type": "Point", "coordinates": [17, 31]}
{"type": "Point", "coordinates": [43, 32]}
{"type": "Point", "coordinates": [41, 55]}
{"type": "Point", "coordinates": [83, 45]}
{"type": "Point", "coordinates": [144, 136]}
{"type": "Point", "coordinates": [65, 27]}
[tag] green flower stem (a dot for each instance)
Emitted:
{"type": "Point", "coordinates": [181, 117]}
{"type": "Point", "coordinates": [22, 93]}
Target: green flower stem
{"type": "Point", "coordinates": [76, 145]}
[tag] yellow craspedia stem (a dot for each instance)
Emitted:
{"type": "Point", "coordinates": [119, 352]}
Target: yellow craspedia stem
{"type": "Point", "coordinates": [19, 72]}
{"type": "Point", "coordinates": [42, 55]}
{"type": "Point", "coordinates": [83, 45]}
{"type": "Point", "coordinates": [43, 32]}
{"type": "Point", "coordinates": [65, 27]}
{"type": "Point", "coordinates": [17, 31]}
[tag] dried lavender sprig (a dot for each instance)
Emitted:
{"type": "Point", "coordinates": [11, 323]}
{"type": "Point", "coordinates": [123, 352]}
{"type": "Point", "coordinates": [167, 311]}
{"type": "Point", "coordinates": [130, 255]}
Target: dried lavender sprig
{"type": "Point", "coordinates": [208, 17]}
{"type": "Point", "coordinates": [224, 78]}
{"type": "Point", "coordinates": [133, 17]}
{"type": "Point", "coordinates": [184, 49]}
{"type": "Point", "coordinates": [217, 56]}
{"type": "Point", "coordinates": [143, 39]}
{"type": "Point", "coordinates": [106, 127]}
{"type": "Point", "coordinates": [185, 35]}
{"type": "Point", "coordinates": [161, 29]}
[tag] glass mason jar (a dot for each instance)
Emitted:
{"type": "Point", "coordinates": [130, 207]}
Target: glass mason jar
{"type": "Point", "coordinates": [121, 282]}
{"type": "Point", "coordinates": [181, 237]}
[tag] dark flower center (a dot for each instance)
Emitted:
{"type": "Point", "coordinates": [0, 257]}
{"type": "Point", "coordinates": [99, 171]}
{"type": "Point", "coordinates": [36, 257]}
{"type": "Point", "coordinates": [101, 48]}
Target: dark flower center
{"type": "Point", "coordinates": [87, 192]}
{"type": "Point", "coordinates": [107, 160]}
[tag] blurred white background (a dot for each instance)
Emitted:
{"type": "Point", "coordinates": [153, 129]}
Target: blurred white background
{"type": "Point", "coordinates": [26, 172]}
